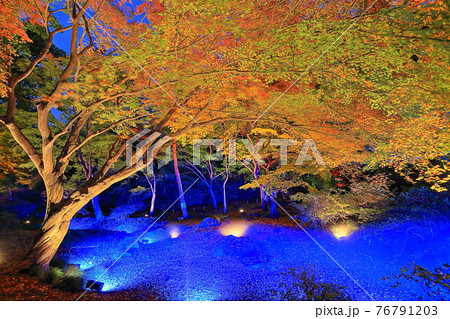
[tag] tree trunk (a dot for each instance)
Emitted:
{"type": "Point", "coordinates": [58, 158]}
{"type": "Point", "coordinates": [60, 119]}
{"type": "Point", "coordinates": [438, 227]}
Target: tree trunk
{"type": "Point", "coordinates": [273, 206]}
{"type": "Point", "coordinates": [263, 198]}
{"type": "Point", "coordinates": [178, 178]}
{"type": "Point", "coordinates": [224, 187]}
{"type": "Point", "coordinates": [55, 225]}
{"type": "Point", "coordinates": [213, 197]}
{"type": "Point", "coordinates": [262, 192]}
{"type": "Point", "coordinates": [152, 203]}
{"type": "Point", "coordinates": [50, 236]}
{"type": "Point", "coordinates": [11, 194]}
{"type": "Point", "coordinates": [60, 210]}
{"type": "Point", "coordinates": [96, 206]}
{"type": "Point", "coordinates": [152, 185]}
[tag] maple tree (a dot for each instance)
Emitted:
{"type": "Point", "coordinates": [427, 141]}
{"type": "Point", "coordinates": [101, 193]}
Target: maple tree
{"type": "Point", "coordinates": [217, 61]}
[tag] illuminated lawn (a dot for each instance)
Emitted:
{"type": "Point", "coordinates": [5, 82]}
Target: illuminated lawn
{"type": "Point", "coordinates": [191, 263]}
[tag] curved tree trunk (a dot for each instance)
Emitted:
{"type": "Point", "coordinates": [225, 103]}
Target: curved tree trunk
{"type": "Point", "coordinates": [50, 237]}
{"type": "Point", "coordinates": [55, 224]}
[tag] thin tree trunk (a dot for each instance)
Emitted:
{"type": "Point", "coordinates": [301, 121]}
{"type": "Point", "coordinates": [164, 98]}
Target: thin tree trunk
{"type": "Point", "coordinates": [152, 185]}
{"type": "Point", "coordinates": [88, 172]}
{"type": "Point", "coordinates": [224, 187]}
{"type": "Point", "coordinates": [178, 178]}
{"type": "Point", "coordinates": [11, 194]}
{"type": "Point", "coordinates": [152, 204]}
{"type": "Point", "coordinates": [213, 197]}
{"type": "Point", "coordinates": [262, 194]}
{"type": "Point", "coordinates": [97, 209]}
{"type": "Point", "coordinates": [273, 206]}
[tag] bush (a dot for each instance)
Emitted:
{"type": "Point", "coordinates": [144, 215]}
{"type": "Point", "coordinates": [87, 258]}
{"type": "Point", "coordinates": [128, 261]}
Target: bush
{"type": "Point", "coordinates": [124, 211]}
{"type": "Point", "coordinates": [67, 280]}
{"type": "Point", "coordinates": [71, 283]}
{"type": "Point", "coordinates": [324, 209]}
{"type": "Point", "coordinates": [52, 276]}
{"type": "Point", "coordinates": [422, 199]}
{"type": "Point", "coordinates": [364, 200]}
{"type": "Point", "coordinates": [304, 285]}
{"type": "Point", "coordinates": [434, 283]}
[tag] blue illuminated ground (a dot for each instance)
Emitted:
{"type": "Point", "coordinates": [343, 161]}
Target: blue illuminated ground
{"type": "Point", "coordinates": [203, 264]}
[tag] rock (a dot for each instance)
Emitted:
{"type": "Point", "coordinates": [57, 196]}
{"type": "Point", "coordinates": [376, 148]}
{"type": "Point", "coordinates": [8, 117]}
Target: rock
{"type": "Point", "coordinates": [209, 222]}
{"type": "Point", "coordinates": [154, 236]}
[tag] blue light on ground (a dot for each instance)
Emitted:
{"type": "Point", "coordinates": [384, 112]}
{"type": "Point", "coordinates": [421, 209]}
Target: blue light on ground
{"type": "Point", "coordinates": [194, 266]}
{"type": "Point", "coordinates": [201, 294]}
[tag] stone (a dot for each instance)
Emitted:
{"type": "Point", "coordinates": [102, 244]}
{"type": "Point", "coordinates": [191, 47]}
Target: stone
{"type": "Point", "coordinates": [209, 222]}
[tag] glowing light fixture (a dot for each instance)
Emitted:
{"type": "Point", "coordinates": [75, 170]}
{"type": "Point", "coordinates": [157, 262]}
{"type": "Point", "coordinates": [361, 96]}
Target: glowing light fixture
{"type": "Point", "coordinates": [236, 229]}
{"type": "Point", "coordinates": [174, 231]}
{"type": "Point", "coordinates": [343, 230]}
{"type": "Point", "coordinates": [27, 221]}
{"type": "Point", "coordinates": [241, 210]}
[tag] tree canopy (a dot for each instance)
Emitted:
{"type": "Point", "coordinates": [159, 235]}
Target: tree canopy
{"type": "Point", "coordinates": [365, 81]}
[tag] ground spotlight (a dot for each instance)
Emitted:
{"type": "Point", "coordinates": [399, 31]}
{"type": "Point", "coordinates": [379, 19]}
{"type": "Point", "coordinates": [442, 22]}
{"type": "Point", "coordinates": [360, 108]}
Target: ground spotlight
{"type": "Point", "coordinates": [94, 285]}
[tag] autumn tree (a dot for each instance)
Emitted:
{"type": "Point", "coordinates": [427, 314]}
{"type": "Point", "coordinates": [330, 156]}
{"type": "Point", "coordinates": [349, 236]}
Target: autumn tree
{"type": "Point", "coordinates": [179, 66]}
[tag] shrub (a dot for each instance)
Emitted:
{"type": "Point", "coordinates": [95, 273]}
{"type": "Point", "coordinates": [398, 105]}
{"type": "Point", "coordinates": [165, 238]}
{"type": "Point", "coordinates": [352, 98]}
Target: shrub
{"type": "Point", "coordinates": [68, 280]}
{"type": "Point", "coordinates": [324, 209]}
{"type": "Point", "coordinates": [52, 276]}
{"type": "Point", "coordinates": [71, 283]}
{"type": "Point", "coordinates": [369, 191]}
{"type": "Point", "coordinates": [304, 285]}
{"type": "Point", "coordinates": [423, 199]}
{"type": "Point", "coordinates": [434, 283]}
{"type": "Point", "coordinates": [365, 200]}
{"type": "Point", "coordinates": [124, 211]}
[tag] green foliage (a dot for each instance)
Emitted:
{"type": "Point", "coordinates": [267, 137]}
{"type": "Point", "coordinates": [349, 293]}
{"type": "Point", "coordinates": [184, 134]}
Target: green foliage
{"type": "Point", "coordinates": [53, 276]}
{"type": "Point", "coordinates": [365, 199]}
{"type": "Point", "coordinates": [304, 284]}
{"type": "Point", "coordinates": [68, 279]}
{"type": "Point", "coordinates": [325, 208]}
{"type": "Point", "coordinates": [434, 283]}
